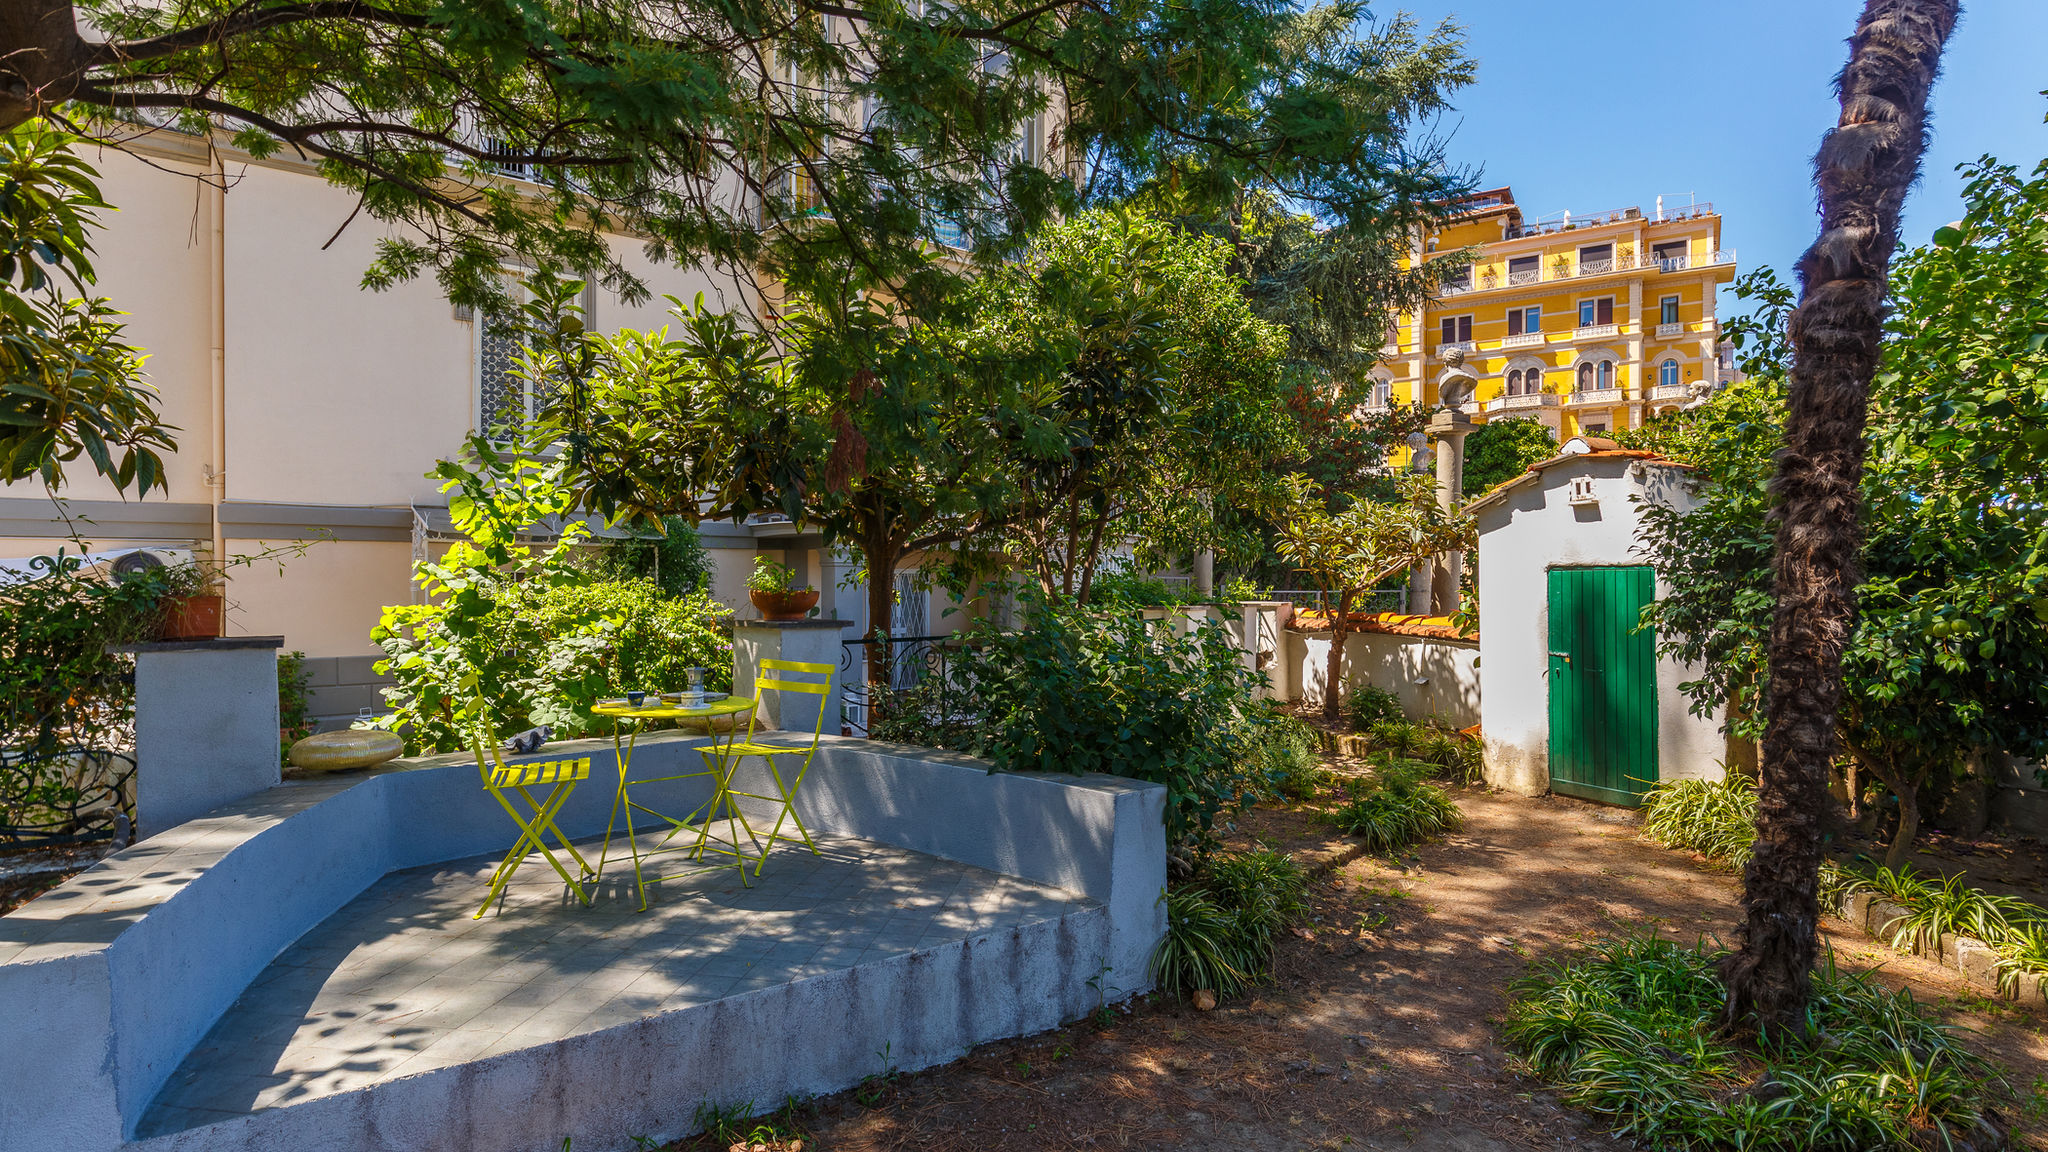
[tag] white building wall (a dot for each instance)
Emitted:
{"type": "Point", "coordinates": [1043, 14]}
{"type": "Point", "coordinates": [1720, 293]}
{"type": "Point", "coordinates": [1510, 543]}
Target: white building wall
{"type": "Point", "coordinates": [337, 399]}
{"type": "Point", "coordinates": [1521, 537]}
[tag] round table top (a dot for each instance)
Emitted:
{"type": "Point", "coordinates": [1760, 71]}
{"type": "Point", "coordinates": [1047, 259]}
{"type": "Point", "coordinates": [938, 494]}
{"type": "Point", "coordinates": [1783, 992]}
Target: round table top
{"type": "Point", "coordinates": [725, 707]}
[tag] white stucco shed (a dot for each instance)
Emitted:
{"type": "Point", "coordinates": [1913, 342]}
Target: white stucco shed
{"type": "Point", "coordinates": [1561, 540]}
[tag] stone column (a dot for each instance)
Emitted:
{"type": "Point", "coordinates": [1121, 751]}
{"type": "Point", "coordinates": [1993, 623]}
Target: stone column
{"type": "Point", "coordinates": [1205, 572]}
{"type": "Point", "coordinates": [205, 726]}
{"type": "Point", "coordinates": [815, 641]}
{"type": "Point", "coordinates": [1450, 430]}
{"type": "Point", "coordinates": [1422, 577]}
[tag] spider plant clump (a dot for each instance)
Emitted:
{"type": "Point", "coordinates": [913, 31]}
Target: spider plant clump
{"type": "Point", "coordinates": [1221, 927]}
{"type": "Point", "coordinates": [1632, 1034]}
{"type": "Point", "coordinates": [1397, 809]}
{"type": "Point", "coordinates": [1715, 818]}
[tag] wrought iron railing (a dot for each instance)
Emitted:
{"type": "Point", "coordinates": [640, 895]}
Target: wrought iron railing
{"type": "Point", "coordinates": [66, 795]}
{"type": "Point", "coordinates": [905, 688]}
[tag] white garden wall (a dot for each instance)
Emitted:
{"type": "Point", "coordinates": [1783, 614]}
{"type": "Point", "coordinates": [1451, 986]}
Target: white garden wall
{"type": "Point", "coordinates": [1434, 678]}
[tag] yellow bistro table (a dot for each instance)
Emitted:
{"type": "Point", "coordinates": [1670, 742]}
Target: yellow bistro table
{"type": "Point", "coordinates": [719, 765]}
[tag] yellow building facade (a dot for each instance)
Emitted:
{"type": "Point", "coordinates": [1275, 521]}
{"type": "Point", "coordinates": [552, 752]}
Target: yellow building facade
{"type": "Point", "coordinates": [1590, 323]}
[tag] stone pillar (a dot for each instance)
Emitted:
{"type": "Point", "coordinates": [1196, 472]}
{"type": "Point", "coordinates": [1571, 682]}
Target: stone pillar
{"type": "Point", "coordinates": [815, 641]}
{"type": "Point", "coordinates": [1205, 572]}
{"type": "Point", "coordinates": [1449, 429]}
{"type": "Point", "coordinates": [205, 726]}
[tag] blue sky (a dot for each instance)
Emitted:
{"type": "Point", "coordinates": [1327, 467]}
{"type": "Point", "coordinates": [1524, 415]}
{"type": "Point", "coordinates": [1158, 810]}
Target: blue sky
{"type": "Point", "coordinates": [1723, 99]}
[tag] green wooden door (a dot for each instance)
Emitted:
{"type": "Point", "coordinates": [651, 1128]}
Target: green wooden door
{"type": "Point", "coordinates": [1603, 684]}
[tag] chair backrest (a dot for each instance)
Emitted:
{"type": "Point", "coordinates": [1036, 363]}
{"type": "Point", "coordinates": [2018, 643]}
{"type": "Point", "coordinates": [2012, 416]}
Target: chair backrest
{"type": "Point", "coordinates": [546, 772]}
{"type": "Point", "coordinates": [822, 689]}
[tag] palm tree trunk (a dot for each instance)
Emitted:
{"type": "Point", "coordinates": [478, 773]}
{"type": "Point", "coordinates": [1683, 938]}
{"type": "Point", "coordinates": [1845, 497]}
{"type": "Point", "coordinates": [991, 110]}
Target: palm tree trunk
{"type": "Point", "coordinates": [1863, 170]}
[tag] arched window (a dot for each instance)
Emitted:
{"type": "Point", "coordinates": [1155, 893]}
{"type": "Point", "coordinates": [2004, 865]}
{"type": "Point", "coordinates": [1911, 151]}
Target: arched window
{"type": "Point", "coordinates": [1667, 373]}
{"type": "Point", "coordinates": [1607, 374]}
{"type": "Point", "coordinates": [1586, 377]}
{"type": "Point", "coordinates": [1515, 382]}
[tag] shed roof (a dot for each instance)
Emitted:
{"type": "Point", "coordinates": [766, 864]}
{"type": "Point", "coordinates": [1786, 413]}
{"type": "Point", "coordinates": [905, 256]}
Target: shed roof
{"type": "Point", "coordinates": [1576, 448]}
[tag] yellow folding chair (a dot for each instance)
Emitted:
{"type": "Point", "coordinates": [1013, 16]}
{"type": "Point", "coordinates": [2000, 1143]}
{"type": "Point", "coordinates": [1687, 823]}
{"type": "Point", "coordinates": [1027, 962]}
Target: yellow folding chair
{"type": "Point", "coordinates": [501, 779]}
{"type": "Point", "coordinates": [724, 760]}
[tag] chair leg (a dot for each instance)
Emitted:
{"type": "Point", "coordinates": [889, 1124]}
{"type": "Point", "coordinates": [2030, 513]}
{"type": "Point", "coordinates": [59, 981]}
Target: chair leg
{"type": "Point", "coordinates": [788, 794]}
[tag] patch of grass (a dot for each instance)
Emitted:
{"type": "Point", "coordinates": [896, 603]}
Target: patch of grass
{"type": "Point", "coordinates": [1221, 927]}
{"type": "Point", "coordinates": [1631, 1035]}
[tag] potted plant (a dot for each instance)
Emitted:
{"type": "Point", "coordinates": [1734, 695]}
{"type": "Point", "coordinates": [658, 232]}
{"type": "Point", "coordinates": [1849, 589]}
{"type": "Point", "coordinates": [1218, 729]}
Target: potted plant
{"type": "Point", "coordinates": [194, 603]}
{"type": "Point", "coordinates": [772, 588]}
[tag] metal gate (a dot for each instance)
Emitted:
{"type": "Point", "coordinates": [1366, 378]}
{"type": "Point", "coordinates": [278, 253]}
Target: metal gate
{"type": "Point", "coordinates": [1603, 684]}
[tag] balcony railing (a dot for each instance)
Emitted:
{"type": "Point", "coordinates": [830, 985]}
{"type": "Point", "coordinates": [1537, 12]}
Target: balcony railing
{"type": "Point", "coordinates": [1564, 269]}
{"type": "Point", "coordinates": [1671, 392]}
{"type": "Point", "coordinates": [1572, 220]}
{"type": "Point", "coordinates": [1601, 396]}
{"type": "Point", "coordinates": [1466, 346]}
{"type": "Point", "coordinates": [1689, 212]}
{"type": "Point", "coordinates": [1596, 331]}
{"type": "Point", "coordinates": [1531, 400]}
{"type": "Point", "coordinates": [1666, 331]}
{"type": "Point", "coordinates": [1525, 340]}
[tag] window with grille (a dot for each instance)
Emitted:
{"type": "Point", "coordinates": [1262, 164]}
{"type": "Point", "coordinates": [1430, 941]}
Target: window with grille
{"type": "Point", "coordinates": [504, 399]}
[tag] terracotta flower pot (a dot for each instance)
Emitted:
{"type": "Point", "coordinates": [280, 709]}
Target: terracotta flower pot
{"type": "Point", "coordinates": [785, 605]}
{"type": "Point", "coordinates": [196, 617]}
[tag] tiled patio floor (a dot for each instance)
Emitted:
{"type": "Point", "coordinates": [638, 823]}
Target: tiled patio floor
{"type": "Point", "coordinates": [402, 980]}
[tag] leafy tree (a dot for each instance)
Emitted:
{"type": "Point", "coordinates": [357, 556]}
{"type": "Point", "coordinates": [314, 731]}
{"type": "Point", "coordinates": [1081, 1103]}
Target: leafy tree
{"type": "Point", "coordinates": [70, 386]}
{"type": "Point", "coordinates": [1503, 449]}
{"type": "Point", "coordinates": [1155, 397]}
{"type": "Point", "coordinates": [1949, 654]}
{"type": "Point", "coordinates": [829, 148]}
{"type": "Point", "coordinates": [1347, 552]}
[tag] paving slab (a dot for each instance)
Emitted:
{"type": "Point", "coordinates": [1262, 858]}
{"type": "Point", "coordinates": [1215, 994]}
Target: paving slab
{"type": "Point", "coordinates": [402, 980]}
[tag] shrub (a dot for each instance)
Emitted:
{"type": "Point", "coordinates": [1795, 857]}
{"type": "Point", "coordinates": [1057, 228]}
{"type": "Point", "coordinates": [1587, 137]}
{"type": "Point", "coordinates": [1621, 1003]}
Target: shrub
{"type": "Point", "coordinates": [565, 647]}
{"type": "Point", "coordinates": [676, 561]}
{"type": "Point", "coordinates": [1632, 1034]}
{"type": "Point", "coordinates": [2023, 952]}
{"type": "Point", "coordinates": [1370, 705]}
{"type": "Point", "coordinates": [65, 703]}
{"type": "Point", "coordinates": [1395, 737]}
{"type": "Point", "coordinates": [1083, 691]}
{"type": "Point", "coordinates": [1201, 948]}
{"type": "Point", "coordinates": [1453, 754]}
{"type": "Point", "coordinates": [507, 637]}
{"type": "Point", "coordinates": [292, 725]}
{"type": "Point", "coordinates": [1388, 818]}
{"type": "Point", "coordinates": [1220, 927]}
{"type": "Point", "coordinates": [1283, 755]}
{"type": "Point", "coordinates": [1715, 818]}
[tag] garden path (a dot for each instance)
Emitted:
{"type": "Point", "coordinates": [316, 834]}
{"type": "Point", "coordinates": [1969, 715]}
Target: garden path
{"type": "Point", "coordinates": [1378, 1031]}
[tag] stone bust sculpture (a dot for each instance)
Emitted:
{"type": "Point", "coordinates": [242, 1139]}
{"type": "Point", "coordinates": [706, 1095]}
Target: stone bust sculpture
{"type": "Point", "coordinates": [1456, 383]}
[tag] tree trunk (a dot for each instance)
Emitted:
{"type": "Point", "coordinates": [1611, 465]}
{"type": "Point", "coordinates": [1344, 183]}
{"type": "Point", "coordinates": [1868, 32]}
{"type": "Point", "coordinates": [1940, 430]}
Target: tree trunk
{"type": "Point", "coordinates": [1895, 853]}
{"type": "Point", "coordinates": [1863, 170]}
{"type": "Point", "coordinates": [42, 58]}
{"type": "Point", "coordinates": [881, 551]}
{"type": "Point", "coordinates": [1333, 672]}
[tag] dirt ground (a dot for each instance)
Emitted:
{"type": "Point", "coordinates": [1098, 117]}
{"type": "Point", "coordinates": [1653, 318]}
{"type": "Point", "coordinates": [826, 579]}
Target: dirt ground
{"type": "Point", "coordinates": [1377, 1031]}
